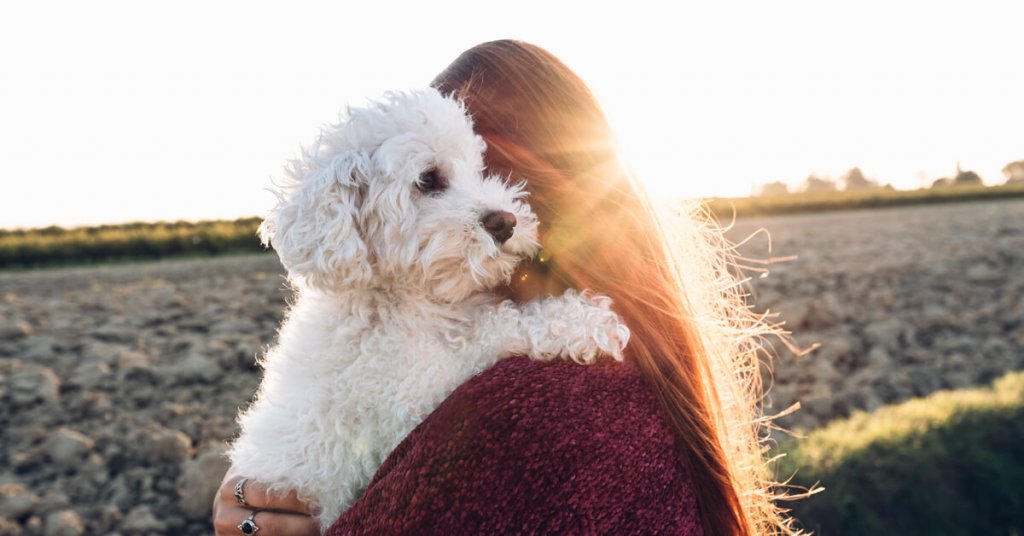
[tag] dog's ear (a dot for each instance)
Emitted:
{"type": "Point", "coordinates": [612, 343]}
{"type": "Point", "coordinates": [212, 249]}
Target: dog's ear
{"type": "Point", "coordinates": [315, 226]}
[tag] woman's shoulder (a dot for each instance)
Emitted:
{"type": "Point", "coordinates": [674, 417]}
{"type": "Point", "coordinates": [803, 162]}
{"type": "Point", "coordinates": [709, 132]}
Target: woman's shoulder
{"type": "Point", "coordinates": [529, 412]}
{"type": "Point", "coordinates": [598, 423]}
{"type": "Point", "coordinates": [562, 397]}
{"type": "Point", "coordinates": [537, 446]}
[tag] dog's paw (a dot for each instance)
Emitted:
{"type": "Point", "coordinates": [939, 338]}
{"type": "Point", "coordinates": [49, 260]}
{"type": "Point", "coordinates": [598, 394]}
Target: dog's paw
{"type": "Point", "coordinates": [605, 332]}
{"type": "Point", "coordinates": [576, 325]}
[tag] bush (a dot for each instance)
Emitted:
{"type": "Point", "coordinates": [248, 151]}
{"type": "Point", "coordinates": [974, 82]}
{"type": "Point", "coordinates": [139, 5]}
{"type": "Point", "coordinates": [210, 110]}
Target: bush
{"type": "Point", "coordinates": [950, 463]}
{"type": "Point", "coordinates": [84, 245]}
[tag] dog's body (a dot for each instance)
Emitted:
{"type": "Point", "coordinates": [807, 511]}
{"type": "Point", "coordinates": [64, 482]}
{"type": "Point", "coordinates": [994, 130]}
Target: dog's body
{"type": "Point", "coordinates": [392, 238]}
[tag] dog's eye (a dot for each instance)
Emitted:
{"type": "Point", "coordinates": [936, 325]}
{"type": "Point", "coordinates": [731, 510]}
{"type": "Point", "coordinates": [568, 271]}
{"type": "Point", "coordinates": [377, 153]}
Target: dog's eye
{"type": "Point", "coordinates": [431, 181]}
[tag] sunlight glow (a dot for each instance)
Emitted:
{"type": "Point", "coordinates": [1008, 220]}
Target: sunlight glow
{"type": "Point", "coordinates": [117, 111]}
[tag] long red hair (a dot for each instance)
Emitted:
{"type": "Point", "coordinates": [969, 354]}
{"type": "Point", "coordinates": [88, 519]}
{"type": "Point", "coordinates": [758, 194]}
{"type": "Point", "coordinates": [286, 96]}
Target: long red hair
{"type": "Point", "coordinates": [542, 124]}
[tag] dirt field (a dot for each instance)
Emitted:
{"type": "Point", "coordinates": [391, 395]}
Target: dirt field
{"type": "Point", "coordinates": [119, 385]}
{"type": "Point", "coordinates": [904, 301]}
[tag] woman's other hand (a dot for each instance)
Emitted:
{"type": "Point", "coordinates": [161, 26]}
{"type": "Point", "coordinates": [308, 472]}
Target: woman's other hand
{"type": "Point", "coordinates": [276, 513]}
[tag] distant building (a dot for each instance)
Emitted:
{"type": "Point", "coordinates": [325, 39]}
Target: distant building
{"type": "Point", "coordinates": [967, 178]}
{"type": "Point", "coordinates": [962, 178]}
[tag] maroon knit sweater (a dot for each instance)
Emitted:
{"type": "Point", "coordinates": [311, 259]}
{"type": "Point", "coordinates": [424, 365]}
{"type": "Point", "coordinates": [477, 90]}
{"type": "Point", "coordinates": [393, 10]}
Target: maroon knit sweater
{"type": "Point", "coordinates": [532, 447]}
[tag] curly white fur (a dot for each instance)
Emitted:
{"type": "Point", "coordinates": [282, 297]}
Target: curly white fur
{"type": "Point", "coordinates": [393, 310]}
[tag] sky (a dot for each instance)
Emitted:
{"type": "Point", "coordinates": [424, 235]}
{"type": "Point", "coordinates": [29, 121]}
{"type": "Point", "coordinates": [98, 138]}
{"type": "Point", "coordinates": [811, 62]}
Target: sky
{"type": "Point", "coordinates": [143, 111]}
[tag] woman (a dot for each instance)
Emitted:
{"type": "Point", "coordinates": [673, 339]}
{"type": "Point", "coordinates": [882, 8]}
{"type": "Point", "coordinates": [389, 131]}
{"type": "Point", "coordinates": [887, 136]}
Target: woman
{"type": "Point", "coordinates": [667, 441]}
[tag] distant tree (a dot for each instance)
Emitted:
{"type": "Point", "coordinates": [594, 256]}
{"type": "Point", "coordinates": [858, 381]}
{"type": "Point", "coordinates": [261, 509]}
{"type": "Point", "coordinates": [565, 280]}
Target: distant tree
{"type": "Point", "coordinates": [814, 184]}
{"type": "Point", "coordinates": [942, 183]}
{"type": "Point", "coordinates": [773, 189]}
{"type": "Point", "coordinates": [854, 180]}
{"type": "Point", "coordinates": [1014, 172]}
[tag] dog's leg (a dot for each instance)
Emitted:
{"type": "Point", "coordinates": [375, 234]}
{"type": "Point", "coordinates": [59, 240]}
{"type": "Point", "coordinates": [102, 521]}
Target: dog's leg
{"type": "Point", "coordinates": [578, 326]}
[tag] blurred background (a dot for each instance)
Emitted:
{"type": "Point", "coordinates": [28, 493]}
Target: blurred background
{"type": "Point", "coordinates": [880, 144]}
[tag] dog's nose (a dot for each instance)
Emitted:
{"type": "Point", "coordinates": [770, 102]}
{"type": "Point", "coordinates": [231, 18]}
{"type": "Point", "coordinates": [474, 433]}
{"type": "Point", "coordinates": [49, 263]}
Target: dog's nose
{"type": "Point", "coordinates": [500, 224]}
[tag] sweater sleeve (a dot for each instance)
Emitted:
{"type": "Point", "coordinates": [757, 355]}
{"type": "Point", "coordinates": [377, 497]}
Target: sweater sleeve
{"type": "Point", "coordinates": [529, 447]}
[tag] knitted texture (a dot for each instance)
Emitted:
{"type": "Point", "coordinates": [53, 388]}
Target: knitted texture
{"type": "Point", "coordinates": [534, 447]}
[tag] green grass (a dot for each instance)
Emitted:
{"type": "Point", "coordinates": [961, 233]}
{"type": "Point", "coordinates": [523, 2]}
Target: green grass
{"type": "Point", "coordinates": [950, 463]}
{"type": "Point", "coordinates": [819, 202]}
{"type": "Point", "coordinates": [52, 246]}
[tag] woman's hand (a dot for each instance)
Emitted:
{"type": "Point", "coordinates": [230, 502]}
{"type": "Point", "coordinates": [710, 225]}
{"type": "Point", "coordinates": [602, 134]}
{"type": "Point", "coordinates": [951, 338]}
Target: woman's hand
{"type": "Point", "coordinates": [276, 513]}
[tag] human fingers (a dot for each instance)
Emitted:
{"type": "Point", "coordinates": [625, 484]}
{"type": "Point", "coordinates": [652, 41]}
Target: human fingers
{"type": "Point", "coordinates": [228, 517]}
{"type": "Point", "coordinates": [258, 495]}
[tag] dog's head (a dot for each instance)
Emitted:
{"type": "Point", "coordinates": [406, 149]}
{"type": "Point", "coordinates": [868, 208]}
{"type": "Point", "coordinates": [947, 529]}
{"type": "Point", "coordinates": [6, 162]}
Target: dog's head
{"type": "Point", "coordinates": [394, 196]}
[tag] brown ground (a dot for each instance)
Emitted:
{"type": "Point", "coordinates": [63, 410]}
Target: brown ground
{"type": "Point", "coordinates": [118, 385]}
{"type": "Point", "coordinates": [904, 301]}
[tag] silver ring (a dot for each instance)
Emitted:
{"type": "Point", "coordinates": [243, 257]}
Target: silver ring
{"type": "Point", "coordinates": [249, 525]}
{"type": "Point", "coordinates": [239, 494]}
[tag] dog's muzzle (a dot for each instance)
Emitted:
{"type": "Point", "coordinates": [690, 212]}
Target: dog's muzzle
{"type": "Point", "coordinates": [499, 224]}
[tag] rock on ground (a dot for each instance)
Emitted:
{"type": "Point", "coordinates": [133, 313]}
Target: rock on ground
{"type": "Point", "coordinates": [904, 301]}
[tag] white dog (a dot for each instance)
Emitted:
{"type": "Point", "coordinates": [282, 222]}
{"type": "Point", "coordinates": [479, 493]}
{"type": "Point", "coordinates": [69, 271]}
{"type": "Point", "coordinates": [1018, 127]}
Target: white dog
{"type": "Point", "coordinates": [392, 236]}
